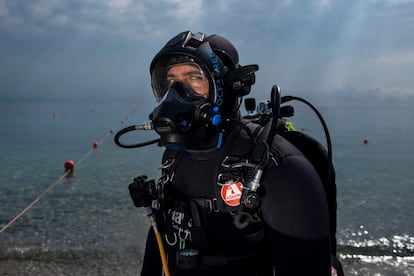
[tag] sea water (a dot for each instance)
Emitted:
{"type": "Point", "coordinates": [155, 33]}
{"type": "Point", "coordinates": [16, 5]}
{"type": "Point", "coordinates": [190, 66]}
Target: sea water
{"type": "Point", "coordinates": [87, 224]}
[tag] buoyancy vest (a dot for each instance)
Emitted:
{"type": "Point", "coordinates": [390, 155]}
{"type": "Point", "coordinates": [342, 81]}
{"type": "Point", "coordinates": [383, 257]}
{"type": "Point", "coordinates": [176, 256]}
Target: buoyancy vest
{"type": "Point", "coordinates": [192, 203]}
{"type": "Point", "coordinates": [201, 191]}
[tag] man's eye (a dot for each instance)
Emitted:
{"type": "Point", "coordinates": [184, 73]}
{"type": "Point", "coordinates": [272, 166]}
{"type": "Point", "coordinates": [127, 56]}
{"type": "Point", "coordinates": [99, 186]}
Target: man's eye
{"type": "Point", "coordinates": [196, 77]}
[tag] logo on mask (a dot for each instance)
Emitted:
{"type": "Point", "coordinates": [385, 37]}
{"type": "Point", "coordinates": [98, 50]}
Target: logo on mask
{"type": "Point", "coordinates": [217, 73]}
{"type": "Point", "coordinates": [231, 193]}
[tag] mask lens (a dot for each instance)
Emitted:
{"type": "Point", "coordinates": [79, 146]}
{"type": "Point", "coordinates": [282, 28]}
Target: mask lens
{"type": "Point", "coordinates": [185, 70]}
{"type": "Point", "coordinates": [191, 75]}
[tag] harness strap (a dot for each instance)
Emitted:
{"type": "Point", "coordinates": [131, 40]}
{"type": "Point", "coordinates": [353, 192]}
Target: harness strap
{"type": "Point", "coordinates": [191, 259]}
{"type": "Point", "coordinates": [209, 205]}
{"type": "Point", "coordinates": [198, 229]}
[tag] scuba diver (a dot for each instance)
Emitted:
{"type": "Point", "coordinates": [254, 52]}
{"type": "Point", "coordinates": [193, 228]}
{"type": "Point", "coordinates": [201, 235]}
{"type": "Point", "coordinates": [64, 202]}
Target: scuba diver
{"type": "Point", "coordinates": [233, 199]}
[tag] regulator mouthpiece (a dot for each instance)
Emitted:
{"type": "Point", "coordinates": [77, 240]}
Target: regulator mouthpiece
{"type": "Point", "coordinates": [208, 114]}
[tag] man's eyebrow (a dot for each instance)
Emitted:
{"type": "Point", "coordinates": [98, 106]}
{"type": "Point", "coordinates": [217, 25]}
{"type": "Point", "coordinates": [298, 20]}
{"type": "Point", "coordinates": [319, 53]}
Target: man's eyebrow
{"type": "Point", "coordinates": [186, 73]}
{"type": "Point", "coordinates": [193, 72]}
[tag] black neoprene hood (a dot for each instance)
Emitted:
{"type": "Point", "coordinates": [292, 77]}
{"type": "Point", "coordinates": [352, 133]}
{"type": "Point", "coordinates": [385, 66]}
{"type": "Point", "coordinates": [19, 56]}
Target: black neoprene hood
{"type": "Point", "coordinates": [214, 54]}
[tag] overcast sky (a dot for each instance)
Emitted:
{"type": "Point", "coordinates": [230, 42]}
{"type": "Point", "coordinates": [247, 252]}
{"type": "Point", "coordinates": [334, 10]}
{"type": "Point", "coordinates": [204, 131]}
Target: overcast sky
{"type": "Point", "coordinates": [89, 49]}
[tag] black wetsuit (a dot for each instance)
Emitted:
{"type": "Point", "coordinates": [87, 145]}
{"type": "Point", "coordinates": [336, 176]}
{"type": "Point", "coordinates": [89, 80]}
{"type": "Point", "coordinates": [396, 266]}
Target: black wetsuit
{"type": "Point", "coordinates": [293, 210]}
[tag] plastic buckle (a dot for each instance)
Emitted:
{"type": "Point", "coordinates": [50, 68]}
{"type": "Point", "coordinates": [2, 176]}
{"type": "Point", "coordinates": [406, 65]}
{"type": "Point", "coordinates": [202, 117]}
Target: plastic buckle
{"type": "Point", "coordinates": [212, 205]}
{"type": "Point", "coordinates": [192, 41]}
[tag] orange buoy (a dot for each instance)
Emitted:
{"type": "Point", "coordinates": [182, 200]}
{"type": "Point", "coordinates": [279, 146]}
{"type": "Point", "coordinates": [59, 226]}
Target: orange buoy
{"type": "Point", "coordinates": [95, 144]}
{"type": "Point", "coordinates": [365, 141]}
{"type": "Point", "coordinates": [69, 165]}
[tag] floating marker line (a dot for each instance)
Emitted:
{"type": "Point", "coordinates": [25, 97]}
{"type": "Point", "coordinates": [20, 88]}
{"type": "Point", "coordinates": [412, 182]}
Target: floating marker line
{"type": "Point", "coordinates": [68, 172]}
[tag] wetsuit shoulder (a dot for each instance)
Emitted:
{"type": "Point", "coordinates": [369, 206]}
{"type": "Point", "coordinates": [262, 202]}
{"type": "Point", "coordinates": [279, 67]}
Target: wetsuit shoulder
{"type": "Point", "coordinates": [294, 201]}
{"type": "Point", "coordinates": [295, 212]}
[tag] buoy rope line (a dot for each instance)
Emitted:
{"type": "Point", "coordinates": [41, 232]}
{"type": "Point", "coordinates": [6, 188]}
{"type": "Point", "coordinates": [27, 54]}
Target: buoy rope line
{"type": "Point", "coordinates": [34, 202]}
{"type": "Point", "coordinates": [69, 165]}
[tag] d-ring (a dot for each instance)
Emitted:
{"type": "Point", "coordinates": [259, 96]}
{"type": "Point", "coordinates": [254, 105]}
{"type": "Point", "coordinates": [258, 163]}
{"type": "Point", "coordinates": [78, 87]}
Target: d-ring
{"type": "Point", "coordinates": [171, 243]}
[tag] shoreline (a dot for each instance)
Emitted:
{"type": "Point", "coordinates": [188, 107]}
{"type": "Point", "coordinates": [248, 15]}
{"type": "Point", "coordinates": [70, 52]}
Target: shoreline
{"type": "Point", "coordinates": [57, 267]}
{"type": "Point", "coordinates": [110, 263]}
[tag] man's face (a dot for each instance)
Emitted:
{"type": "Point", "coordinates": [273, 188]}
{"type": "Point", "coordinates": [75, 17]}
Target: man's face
{"type": "Point", "coordinates": [191, 75]}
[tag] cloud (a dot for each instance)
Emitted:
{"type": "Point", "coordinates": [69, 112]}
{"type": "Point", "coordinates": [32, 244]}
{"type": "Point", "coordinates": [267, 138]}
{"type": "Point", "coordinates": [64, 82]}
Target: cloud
{"type": "Point", "coordinates": [127, 18]}
{"type": "Point", "coordinates": [182, 9]}
{"type": "Point", "coordinates": [7, 19]}
{"type": "Point", "coordinates": [395, 59]}
{"type": "Point", "coordinates": [396, 2]}
{"type": "Point", "coordinates": [323, 3]}
{"type": "Point", "coordinates": [302, 45]}
{"type": "Point", "coordinates": [4, 11]}
{"type": "Point", "coordinates": [373, 95]}
{"type": "Point", "coordinates": [44, 8]}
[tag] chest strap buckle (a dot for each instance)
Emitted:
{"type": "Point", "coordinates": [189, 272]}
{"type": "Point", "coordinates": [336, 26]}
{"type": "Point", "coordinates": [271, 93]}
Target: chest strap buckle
{"type": "Point", "coordinates": [209, 205]}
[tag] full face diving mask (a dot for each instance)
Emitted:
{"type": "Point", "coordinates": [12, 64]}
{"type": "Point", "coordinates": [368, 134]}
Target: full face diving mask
{"type": "Point", "coordinates": [180, 114]}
